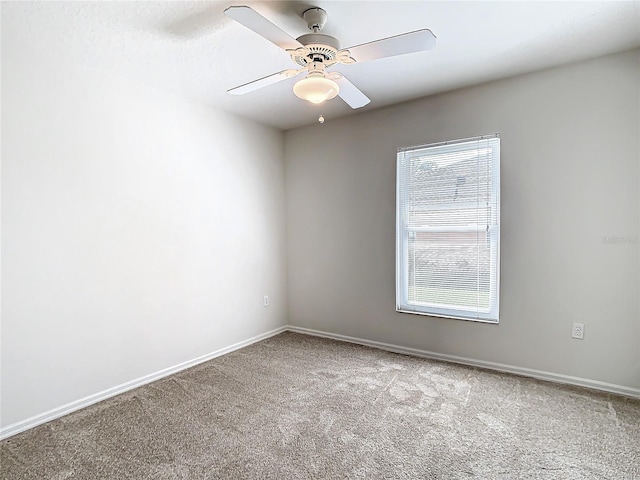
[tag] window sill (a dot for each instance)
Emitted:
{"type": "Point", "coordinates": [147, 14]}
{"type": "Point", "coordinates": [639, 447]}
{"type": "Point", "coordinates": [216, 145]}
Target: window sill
{"type": "Point", "coordinates": [440, 315]}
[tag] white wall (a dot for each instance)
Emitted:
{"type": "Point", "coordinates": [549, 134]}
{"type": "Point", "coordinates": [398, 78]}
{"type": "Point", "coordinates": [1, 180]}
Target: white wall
{"type": "Point", "coordinates": [139, 231]}
{"type": "Point", "coordinates": [570, 170]}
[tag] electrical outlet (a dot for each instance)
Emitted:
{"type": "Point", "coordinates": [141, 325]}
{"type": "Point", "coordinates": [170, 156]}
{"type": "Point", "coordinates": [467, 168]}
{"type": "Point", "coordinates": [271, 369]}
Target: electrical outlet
{"type": "Point", "coordinates": [578, 330]}
{"type": "Point", "coordinates": [265, 301]}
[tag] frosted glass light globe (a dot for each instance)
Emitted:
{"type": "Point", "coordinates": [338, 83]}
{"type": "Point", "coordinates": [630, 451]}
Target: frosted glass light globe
{"type": "Point", "coordinates": [316, 89]}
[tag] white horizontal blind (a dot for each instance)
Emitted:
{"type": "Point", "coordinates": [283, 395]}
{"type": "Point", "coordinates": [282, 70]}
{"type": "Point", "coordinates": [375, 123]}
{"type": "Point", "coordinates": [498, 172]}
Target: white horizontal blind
{"type": "Point", "coordinates": [448, 229]}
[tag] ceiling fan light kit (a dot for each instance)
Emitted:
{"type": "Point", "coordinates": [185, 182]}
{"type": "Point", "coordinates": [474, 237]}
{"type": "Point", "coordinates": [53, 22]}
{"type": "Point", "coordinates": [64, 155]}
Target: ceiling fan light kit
{"type": "Point", "coordinates": [316, 89]}
{"type": "Point", "coordinates": [315, 52]}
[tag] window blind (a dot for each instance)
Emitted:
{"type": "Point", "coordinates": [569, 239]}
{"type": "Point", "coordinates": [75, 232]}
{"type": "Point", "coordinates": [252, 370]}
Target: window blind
{"type": "Point", "coordinates": [448, 229]}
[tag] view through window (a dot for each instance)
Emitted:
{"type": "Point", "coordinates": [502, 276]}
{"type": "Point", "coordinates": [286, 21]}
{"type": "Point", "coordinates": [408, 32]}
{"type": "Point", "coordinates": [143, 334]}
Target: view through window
{"type": "Point", "coordinates": [448, 229]}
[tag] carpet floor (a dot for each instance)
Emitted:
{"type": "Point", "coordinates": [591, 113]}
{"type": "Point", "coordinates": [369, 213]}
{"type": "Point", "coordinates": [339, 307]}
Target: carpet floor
{"type": "Point", "coordinates": [300, 407]}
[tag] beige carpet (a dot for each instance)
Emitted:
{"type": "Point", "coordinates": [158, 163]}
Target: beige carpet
{"type": "Point", "coordinates": [297, 407]}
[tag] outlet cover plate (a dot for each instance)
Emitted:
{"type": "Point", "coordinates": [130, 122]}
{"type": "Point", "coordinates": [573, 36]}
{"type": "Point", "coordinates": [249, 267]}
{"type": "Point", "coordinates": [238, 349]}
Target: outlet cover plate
{"type": "Point", "coordinates": [578, 330]}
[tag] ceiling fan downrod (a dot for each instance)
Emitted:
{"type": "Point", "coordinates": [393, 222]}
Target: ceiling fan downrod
{"type": "Point", "coordinates": [317, 47]}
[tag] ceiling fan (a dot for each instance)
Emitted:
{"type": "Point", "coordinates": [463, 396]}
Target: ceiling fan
{"type": "Point", "coordinates": [316, 52]}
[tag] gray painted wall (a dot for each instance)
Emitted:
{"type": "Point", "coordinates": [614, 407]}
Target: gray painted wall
{"type": "Point", "coordinates": [570, 176]}
{"type": "Point", "coordinates": [139, 231]}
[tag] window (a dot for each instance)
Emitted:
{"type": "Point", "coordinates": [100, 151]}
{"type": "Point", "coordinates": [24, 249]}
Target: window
{"type": "Point", "coordinates": [448, 229]}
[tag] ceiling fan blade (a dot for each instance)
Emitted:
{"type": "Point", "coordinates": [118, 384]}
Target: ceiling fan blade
{"type": "Point", "coordinates": [411, 42]}
{"type": "Point", "coordinates": [264, 81]}
{"type": "Point", "coordinates": [260, 25]}
{"type": "Point", "coordinates": [350, 93]}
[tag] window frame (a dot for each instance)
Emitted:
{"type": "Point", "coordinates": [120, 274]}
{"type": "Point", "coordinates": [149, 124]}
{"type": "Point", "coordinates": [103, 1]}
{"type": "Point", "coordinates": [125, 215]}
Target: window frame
{"type": "Point", "coordinates": [403, 232]}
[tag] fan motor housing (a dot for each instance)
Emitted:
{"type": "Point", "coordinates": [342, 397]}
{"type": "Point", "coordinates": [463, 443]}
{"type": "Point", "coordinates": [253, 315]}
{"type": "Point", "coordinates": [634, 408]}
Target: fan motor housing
{"type": "Point", "coordinates": [316, 46]}
{"type": "Point", "coordinates": [320, 38]}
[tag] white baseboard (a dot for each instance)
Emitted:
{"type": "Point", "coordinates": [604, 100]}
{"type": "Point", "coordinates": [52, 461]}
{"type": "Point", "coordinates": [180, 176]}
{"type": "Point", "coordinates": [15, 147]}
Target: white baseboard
{"type": "Point", "coordinates": [527, 372]}
{"type": "Point", "coordinates": [45, 417]}
{"type": "Point", "coordinates": [39, 419]}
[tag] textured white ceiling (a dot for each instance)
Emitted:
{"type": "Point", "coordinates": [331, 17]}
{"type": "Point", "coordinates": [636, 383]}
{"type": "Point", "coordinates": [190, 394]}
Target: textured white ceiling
{"type": "Point", "coordinates": [192, 49]}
